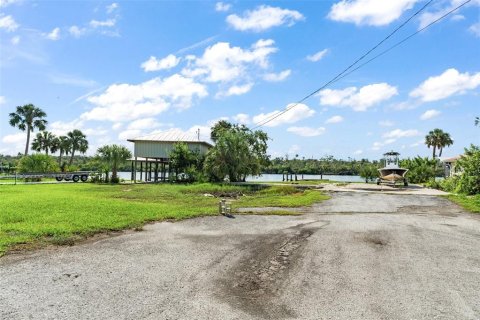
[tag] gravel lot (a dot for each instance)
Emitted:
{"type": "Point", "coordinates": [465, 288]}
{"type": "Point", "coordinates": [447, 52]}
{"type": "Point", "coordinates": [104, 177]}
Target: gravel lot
{"type": "Point", "coordinates": [356, 256]}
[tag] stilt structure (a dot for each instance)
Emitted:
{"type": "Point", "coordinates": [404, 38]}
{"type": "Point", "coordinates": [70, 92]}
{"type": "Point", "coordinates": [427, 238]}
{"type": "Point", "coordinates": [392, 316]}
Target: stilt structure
{"type": "Point", "coordinates": [151, 155]}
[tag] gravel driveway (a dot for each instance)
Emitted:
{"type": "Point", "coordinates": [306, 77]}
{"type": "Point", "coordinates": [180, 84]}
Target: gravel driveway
{"type": "Point", "coordinates": [356, 256]}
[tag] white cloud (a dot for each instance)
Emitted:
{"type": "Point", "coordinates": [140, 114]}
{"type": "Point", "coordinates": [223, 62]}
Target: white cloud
{"type": "Point", "coordinates": [264, 18]}
{"type": "Point", "coordinates": [317, 56]}
{"type": "Point", "coordinates": [242, 118]}
{"type": "Point", "coordinates": [358, 99]}
{"type": "Point", "coordinates": [398, 133]}
{"type": "Point", "coordinates": [103, 24]}
{"type": "Point", "coordinates": [358, 152]}
{"type": "Point", "coordinates": [378, 145]}
{"type": "Point", "coordinates": [277, 77]}
{"type": "Point", "coordinates": [15, 40]}
{"type": "Point", "coordinates": [458, 17]}
{"type": "Point", "coordinates": [223, 63]}
{"type": "Point", "coordinates": [124, 102]}
{"type": "Point", "coordinates": [60, 128]}
{"type": "Point", "coordinates": [153, 64]}
{"type": "Point", "coordinates": [15, 138]}
{"type": "Point", "coordinates": [418, 143]}
{"type": "Point", "coordinates": [77, 31]}
{"type": "Point", "coordinates": [429, 16]}
{"type": "Point", "coordinates": [8, 23]}
{"type": "Point", "coordinates": [117, 126]}
{"type": "Point", "coordinates": [129, 134]}
{"type": "Point", "coordinates": [449, 83]}
{"type": "Point", "coordinates": [111, 7]}
{"type": "Point", "coordinates": [429, 114]}
{"type": "Point", "coordinates": [475, 29]}
{"type": "Point", "coordinates": [222, 7]}
{"type": "Point", "coordinates": [386, 123]}
{"type": "Point", "coordinates": [235, 90]}
{"type": "Point", "coordinates": [5, 3]}
{"type": "Point", "coordinates": [307, 131]}
{"type": "Point", "coordinates": [334, 119]}
{"type": "Point", "coordinates": [54, 34]}
{"type": "Point", "coordinates": [2, 100]}
{"type": "Point", "coordinates": [297, 113]}
{"type": "Point", "coordinates": [144, 124]}
{"type": "Point", "coordinates": [369, 12]}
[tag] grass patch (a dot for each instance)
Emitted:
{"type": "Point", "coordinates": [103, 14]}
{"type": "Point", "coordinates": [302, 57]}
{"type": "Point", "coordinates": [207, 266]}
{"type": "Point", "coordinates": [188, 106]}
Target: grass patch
{"type": "Point", "coordinates": [470, 203]}
{"type": "Point", "coordinates": [281, 196]}
{"type": "Point", "coordinates": [299, 182]}
{"type": "Point", "coordinates": [32, 215]}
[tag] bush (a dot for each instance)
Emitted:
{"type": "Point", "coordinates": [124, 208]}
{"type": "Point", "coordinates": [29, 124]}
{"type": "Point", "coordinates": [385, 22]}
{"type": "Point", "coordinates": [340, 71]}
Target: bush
{"type": "Point", "coordinates": [469, 180]}
{"type": "Point", "coordinates": [449, 184]}
{"type": "Point", "coordinates": [37, 163]}
{"type": "Point", "coordinates": [434, 184]}
{"type": "Point", "coordinates": [420, 170]}
{"type": "Point", "coordinates": [369, 172]}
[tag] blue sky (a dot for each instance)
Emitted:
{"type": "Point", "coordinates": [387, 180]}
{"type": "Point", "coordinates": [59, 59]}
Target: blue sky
{"type": "Point", "coordinates": [122, 69]}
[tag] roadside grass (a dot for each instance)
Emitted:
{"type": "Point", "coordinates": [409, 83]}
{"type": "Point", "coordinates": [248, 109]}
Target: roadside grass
{"type": "Point", "coordinates": [299, 182]}
{"type": "Point", "coordinates": [35, 215]}
{"type": "Point", "coordinates": [281, 196]}
{"type": "Point", "coordinates": [470, 203]}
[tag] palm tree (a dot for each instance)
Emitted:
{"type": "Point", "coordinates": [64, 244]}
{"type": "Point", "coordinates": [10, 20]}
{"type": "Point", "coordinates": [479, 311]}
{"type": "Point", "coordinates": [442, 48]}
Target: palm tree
{"type": "Point", "coordinates": [28, 117]}
{"type": "Point", "coordinates": [113, 155]}
{"type": "Point", "coordinates": [437, 138]}
{"type": "Point", "coordinates": [78, 142]}
{"type": "Point", "coordinates": [63, 147]}
{"type": "Point", "coordinates": [445, 141]}
{"type": "Point", "coordinates": [45, 140]}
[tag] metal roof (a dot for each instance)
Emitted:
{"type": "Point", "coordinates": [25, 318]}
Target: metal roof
{"type": "Point", "coordinates": [452, 159]}
{"type": "Point", "coordinates": [171, 136]}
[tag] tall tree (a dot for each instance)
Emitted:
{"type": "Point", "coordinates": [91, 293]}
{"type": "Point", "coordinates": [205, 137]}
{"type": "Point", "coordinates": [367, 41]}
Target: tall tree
{"type": "Point", "coordinates": [438, 139]}
{"type": "Point", "coordinates": [78, 142]}
{"type": "Point", "coordinates": [28, 117]}
{"type": "Point", "coordinates": [445, 141]}
{"type": "Point", "coordinates": [113, 155]}
{"type": "Point", "coordinates": [45, 141]}
{"type": "Point", "coordinates": [238, 152]}
{"type": "Point", "coordinates": [64, 147]}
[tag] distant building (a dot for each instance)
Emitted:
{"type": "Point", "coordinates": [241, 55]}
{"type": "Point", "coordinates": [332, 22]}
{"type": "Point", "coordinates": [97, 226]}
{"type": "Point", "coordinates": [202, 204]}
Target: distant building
{"type": "Point", "coordinates": [451, 167]}
{"type": "Point", "coordinates": [151, 153]}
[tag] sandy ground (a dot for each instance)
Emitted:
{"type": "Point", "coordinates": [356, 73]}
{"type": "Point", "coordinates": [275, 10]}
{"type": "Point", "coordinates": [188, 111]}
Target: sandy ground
{"type": "Point", "coordinates": [356, 256]}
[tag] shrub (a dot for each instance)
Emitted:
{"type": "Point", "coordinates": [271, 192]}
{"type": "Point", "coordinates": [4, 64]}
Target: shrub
{"type": "Point", "coordinates": [420, 170]}
{"type": "Point", "coordinates": [469, 180]}
{"type": "Point", "coordinates": [369, 172]}
{"type": "Point", "coordinates": [37, 163]}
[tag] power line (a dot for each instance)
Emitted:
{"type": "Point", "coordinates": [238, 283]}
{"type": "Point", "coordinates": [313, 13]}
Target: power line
{"type": "Point", "coordinates": [403, 40]}
{"type": "Point", "coordinates": [274, 116]}
{"type": "Point", "coordinates": [347, 70]}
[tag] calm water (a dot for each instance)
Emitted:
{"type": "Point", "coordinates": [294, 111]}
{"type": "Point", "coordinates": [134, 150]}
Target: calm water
{"type": "Point", "coordinates": [275, 177]}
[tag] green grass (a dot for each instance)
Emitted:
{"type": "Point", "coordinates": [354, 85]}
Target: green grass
{"type": "Point", "coordinates": [299, 182]}
{"type": "Point", "coordinates": [470, 203]}
{"type": "Point", "coordinates": [35, 215]}
{"type": "Point", "coordinates": [281, 196]}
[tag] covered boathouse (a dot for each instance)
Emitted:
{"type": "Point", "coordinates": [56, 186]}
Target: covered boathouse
{"type": "Point", "coordinates": [151, 154]}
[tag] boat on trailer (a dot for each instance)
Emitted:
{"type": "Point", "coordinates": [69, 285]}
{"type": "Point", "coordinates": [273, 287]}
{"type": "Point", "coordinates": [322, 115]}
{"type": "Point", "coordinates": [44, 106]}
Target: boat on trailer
{"type": "Point", "coordinates": [392, 173]}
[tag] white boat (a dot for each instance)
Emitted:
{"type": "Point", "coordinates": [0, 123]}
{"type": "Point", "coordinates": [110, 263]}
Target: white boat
{"type": "Point", "coordinates": [392, 173]}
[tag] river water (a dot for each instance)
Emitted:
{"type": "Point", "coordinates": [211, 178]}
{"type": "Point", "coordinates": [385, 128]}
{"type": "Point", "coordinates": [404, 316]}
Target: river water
{"type": "Point", "coordinates": [276, 177]}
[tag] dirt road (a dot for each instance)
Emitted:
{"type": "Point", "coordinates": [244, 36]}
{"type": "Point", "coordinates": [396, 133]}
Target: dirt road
{"type": "Point", "coordinates": [356, 256]}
